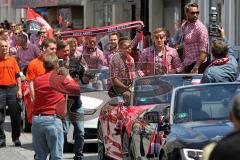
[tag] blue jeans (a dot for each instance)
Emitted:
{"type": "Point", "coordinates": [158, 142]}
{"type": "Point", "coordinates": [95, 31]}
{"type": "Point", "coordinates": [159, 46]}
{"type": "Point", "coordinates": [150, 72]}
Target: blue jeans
{"type": "Point", "coordinates": [47, 133]}
{"type": "Point", "coordinates": [76, 117]}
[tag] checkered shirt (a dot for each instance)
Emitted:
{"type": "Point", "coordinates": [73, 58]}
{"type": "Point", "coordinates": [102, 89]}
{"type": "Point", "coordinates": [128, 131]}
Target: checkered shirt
{"type": "Point", "coordinates": [122, 70]}
{"type": "Point", "coordinates": [195, 40]}
{"type": "Point", "coordinates": [148, 61]}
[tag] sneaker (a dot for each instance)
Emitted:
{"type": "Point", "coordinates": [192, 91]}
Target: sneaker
{"type": "Point", "coordinates": [17, 143]}
{"type": "Point", "coordinates": [2, 143]}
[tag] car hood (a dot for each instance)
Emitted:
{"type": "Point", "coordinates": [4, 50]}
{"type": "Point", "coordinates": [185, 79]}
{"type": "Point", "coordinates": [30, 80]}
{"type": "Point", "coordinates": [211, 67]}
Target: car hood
{"type": "Point", "coordinates": [198, 134]}
{"type": "Point", "coordinates": [90, 102]}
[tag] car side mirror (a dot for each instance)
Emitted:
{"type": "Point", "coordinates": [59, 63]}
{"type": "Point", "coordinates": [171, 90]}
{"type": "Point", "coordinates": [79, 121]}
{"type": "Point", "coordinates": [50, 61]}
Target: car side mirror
{"type": "Point", "coordinates": [166, 126]}
{"type": "Point", "coordinates": [115, 101]}
{"type": "Point", "coordinates": [152, 117]}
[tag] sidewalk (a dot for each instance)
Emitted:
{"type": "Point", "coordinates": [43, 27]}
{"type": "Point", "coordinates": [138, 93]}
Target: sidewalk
{"type": "Point", "coordinates": [16, 153]}
{"type": "Point", "coordinates": [20, 153]}
{"type": "Point", "coordinates": [25, 152]}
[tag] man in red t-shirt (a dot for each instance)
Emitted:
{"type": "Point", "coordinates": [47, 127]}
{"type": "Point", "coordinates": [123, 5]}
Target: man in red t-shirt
{"type": "Point", "coordinates": [49, 104]}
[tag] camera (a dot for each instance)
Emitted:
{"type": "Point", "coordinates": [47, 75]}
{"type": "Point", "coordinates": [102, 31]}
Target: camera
{"type": "Point", "coordinates": [60, 63]}
{"type": "Point", "coordinates": [213, 22]}
{"type": "Point", "coordinates": [76, 70]}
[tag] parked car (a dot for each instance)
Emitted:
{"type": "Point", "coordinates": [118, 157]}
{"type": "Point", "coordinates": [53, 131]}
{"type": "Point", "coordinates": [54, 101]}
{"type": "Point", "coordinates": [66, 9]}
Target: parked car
{"type": "Point", "coordinates": [118, 116]}
{"type": "Point", "coordinates": [196, 116]}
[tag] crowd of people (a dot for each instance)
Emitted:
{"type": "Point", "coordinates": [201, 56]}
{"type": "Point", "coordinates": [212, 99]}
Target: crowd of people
{"type": "Point", "coordinates": [51, 83]}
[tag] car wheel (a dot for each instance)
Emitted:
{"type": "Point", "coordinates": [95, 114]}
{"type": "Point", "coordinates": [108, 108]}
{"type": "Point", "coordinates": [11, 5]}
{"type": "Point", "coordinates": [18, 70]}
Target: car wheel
{"type": "Point", "coordinates": [101, 147]}
{"type": "Point", "coordinates": [126, 147]}
{"type": "Point", "coordinates": [26, 124]}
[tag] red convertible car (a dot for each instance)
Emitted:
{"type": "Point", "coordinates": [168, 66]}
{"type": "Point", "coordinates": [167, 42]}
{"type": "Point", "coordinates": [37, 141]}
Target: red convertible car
{"type": "Point", "coordinates": [118, 116]}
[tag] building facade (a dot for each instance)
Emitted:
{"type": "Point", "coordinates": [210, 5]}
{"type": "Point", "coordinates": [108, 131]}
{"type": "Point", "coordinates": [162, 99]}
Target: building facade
{"type": "Point", "coordinates": [59, 13]}
{"type": "Point", "coordinates": [8, 12]}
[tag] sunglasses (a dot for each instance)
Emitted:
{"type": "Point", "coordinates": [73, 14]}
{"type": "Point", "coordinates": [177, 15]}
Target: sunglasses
{"type": "Point", "coordinates": [57, 35]}
{"type": "Point", "coordinates": [41, 32]}
{"type": "Point", "coordinates": [17, 33]}
{"type": "Point", "coordinates": [162, 36]}
{"type": "Point", "coordinates": [193, 13]}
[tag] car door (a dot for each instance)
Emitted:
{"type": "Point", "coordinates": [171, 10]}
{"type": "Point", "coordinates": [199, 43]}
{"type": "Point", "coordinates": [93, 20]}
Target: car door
{"type": "Point", "coordinates": [149, 132]}
{"type": "Point", "coordinates": [138, 132]}
{"type": "Point", "coordinates": [108, 123]}
{"type": "Point", "coordinates": [115, 125]}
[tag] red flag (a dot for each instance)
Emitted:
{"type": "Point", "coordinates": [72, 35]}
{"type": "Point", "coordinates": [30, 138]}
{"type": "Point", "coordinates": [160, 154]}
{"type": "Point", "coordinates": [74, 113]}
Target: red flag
{"type": "Point", "coordinates": [33, 16]}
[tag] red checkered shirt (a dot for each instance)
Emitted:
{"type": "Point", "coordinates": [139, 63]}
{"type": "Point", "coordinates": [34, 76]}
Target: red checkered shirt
{"type": "Point", "coordinates": [195, 40]}
{"type": "Point", "coordinates": [108, 55]}
{"type": "Point", "coordinates": [95, 60]}
{"type": "Point", "coordinates": [122, 68]}
{"type": "Point", "coordinates": [149, 61]}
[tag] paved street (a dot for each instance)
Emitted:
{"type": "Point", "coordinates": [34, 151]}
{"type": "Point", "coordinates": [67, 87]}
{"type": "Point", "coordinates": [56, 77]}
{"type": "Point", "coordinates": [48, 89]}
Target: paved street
{"type": "Point", "coordinates": [26, 151]}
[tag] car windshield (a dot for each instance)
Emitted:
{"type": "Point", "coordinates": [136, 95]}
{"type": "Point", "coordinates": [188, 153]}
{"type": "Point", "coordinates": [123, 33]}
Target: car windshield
{"type": "Point", "coordinates": [158, 89]}
{"type": "Point", "coordinates": [99, 80]}
{"type": "Point", "coordinates": [206, 102]}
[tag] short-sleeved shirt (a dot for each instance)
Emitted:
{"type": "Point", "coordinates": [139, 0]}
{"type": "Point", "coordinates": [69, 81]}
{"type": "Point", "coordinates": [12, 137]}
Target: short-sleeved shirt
{"type": "Point", "coordinates": [35, 69]}
{"type": "Point", "coordinates": [122, 68]}
{"type": "Point", "coordinates": [195, 40]}
{"type": "Point", "coordinates": [95, 60]}
{"type": "Point", "coordinates": [78, 52]}
{"type": "Point", "coordinates": [108, 55]}
{"type": "Point", "coordinates": [25, 55]}
{"type": "Point", "coordinates": [150, 62]}
{"type": "Point", "coordinates": [8, 70]}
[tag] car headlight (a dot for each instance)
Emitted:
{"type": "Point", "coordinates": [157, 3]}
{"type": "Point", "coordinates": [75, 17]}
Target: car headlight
{"type": "Point", "coordinates": [89, 111]}
{"type": "Point", "coordinates": [191, 154]}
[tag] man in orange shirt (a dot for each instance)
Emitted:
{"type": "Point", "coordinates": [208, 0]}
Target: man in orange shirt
{"type": "Point", "coordinates": [35, 67]}
{"type": "Point", "coordinates": [10, 90]}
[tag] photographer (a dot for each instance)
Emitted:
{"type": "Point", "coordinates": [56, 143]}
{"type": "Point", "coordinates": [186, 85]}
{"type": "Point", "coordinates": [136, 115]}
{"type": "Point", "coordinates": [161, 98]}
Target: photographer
{"type": "Point", "coordinates": [49, 108]}
{"type": "Point", "coordinates": [75, 110]}
{"type": "Point", "coordinates": [224, 67]}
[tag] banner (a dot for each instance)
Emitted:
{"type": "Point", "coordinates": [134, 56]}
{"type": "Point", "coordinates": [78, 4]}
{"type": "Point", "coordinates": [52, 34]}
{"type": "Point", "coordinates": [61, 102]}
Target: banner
{"type": "Point", "coordinates": [36, 21]}
{"type": "Point", "coordinates": [99, 30]}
